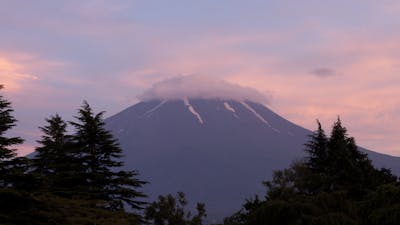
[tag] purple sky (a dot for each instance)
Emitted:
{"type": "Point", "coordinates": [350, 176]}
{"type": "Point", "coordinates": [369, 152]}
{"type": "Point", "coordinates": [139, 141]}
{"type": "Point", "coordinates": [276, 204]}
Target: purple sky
{"type": "Point", "coordinates": [313, 59]}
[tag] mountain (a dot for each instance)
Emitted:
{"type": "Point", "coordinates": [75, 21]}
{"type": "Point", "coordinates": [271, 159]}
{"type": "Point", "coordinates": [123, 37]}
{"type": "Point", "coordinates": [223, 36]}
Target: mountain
{"type": "Point", "coordinates": [215, 150]}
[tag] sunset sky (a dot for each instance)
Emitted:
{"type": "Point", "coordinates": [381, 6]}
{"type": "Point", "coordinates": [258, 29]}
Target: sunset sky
{"type": "Point", "coordinates": [311, 59]}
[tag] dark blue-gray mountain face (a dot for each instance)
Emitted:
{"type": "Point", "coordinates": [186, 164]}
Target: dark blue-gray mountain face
{"type": "Point", "coordinates": [216, 151]}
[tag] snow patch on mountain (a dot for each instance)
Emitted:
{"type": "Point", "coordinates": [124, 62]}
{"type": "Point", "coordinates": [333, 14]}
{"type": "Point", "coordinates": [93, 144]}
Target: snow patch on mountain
{"type": "Point", "coordinates": [192, 110]}
{"type": "Point", "coordinates": [148, 113]}
{"type": "Point", "coordinates": [247, 106]}
{"type": "Point", "coordinates": [228, 107]}
{"type": "Point", "coordinates": [201, 87]}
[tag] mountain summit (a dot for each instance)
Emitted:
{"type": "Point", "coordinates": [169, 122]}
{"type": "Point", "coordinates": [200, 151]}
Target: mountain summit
{"type": "Point", "coordinates": [200, 87]}
{"type": "Point", "coordinates": [217, 149]}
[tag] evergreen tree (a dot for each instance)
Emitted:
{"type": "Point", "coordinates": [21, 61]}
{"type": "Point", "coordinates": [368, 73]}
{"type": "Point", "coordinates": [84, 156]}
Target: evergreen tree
{"type": "Point", "coordinates": [52, 146]}
{"type": "Point", "coordinates": [335, 184]}
{"type": "Point", "coordinates": [7, 152]}
{"type": "Point", "coordinates": [53, 162]}
{"type": "Point", "coordinates": [99, 155]}
{"type": "Point", "coordinates": [347, 167]}
{"type": "Point", "coordinates": [314, 168]}
{"type": "Point", "coordinates": [317, 150]}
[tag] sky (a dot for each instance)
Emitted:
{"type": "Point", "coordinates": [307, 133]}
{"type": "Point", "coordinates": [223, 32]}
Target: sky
{"type": "Point", "coordinates": [313, 59]}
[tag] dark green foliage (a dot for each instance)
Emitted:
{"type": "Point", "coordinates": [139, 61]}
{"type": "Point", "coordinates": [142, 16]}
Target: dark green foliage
{"type": "Point", "coordinates": [335, 184]}
{"type": "Point", "coordinates": [85, 165]}
{"type": "Point", "coordinates": [382, 207]}
{"type": "Point", "coordinates": [317, 150]}
{"type": "Point", "coordinates": [245, 214]}
{"type": "Point", "coordinates": [19, 207]}
{"type": "Point", "coordinates": [291, 181]}
{"type": "Point", "coordinates": [53, 163]}
{"type": "Point", "coordinates": [319, 210]}
{"type": "Point", "coordinates": [322, 209]}
{"type": "Point", "coordinates": [346, 167]}
{"type": "Point", "coordinates": [170, 210]}
{"type": "Point", "coordinates": [52, 152]}
{"type": "Point", "coordinates": [7, 152]}
{"type": "Point", "coordinates": [71, 179]}
{"type": "Point", "coordinates": [98, 155]}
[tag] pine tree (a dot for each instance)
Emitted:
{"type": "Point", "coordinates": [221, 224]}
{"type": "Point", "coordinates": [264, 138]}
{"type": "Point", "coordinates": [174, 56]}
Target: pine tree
{"type": "Point", "coordinates": [347, 167]}
{"type": "Point", "coordinates": [313, 175]}
{"type": "Point", "coordinates": [7, 152]}
{"type": "Point", "coordinates": [53, 162]}
{"type": "Point", "coordinates": [335, 184]}
{"type": "Point", "coordinates": [99, 155]}
{"type": "Point", "coordinates": [317, 150]}
{"type": "Point", "coordinates": [52, 146]}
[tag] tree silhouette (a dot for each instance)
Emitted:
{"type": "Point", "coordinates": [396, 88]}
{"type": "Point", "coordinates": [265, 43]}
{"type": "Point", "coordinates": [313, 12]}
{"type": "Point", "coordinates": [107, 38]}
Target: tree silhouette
{"type": "Point", "coordinates": [100, 158]}
{"type": "Point", "coordinates": [7, 152]}
{"type": "Point", "coordinates": [170, 210]}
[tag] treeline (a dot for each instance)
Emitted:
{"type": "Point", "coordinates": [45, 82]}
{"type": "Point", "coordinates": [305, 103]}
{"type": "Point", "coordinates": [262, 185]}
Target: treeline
{"type": "Point", "coordinates": [335, 184]}
{"type": "Point", "coordinates": [76, 178]}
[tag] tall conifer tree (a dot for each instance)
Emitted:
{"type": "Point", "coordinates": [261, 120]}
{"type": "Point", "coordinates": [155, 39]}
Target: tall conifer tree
{"type": "Point", "coordinates": [53, 161]}
{"type": "Point", "coordinates": [7, 152]}
{"type": "Point", "coordinates": [317, 150]}
{"type": "Point", "coordinates": [346, 165]}
{"type": "Point", "coordinates": [52, 146]}
{"type": "Point", "coordinates": [100, 157]}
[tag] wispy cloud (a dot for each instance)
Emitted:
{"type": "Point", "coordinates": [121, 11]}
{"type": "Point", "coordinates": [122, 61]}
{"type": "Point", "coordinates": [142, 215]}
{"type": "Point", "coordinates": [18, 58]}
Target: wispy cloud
{"type": "Point", "coordinates": [323, 72]}
{"type": "Point", "coordinates": [12, 75]}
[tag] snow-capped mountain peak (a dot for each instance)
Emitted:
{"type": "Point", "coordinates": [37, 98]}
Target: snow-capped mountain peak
{"type": "Point", "coordinates": [203, 87]}
{"type": "Point", "coordinates": [212, 144]}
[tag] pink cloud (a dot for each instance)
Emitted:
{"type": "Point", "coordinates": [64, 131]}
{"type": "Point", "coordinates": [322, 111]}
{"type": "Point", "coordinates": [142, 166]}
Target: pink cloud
{"type": "Point", "coordinates": [364, 90]}
{"type": "Point", "coordinates": [12, 75]}
{"type": "Point", "coordinates": [365, 94]}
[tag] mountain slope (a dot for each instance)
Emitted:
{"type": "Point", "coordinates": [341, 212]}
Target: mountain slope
{"type": "Point", "coordinates": [216, 151]}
